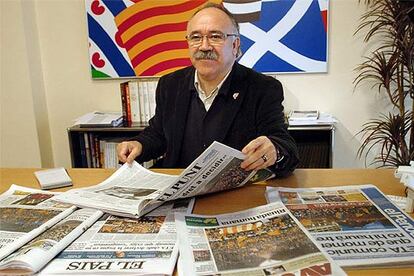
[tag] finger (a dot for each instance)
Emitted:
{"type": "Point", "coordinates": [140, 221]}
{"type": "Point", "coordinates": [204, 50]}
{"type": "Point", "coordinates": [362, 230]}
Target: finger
{"type": "Point", "coordinates": [252, 146]}
{"type": "Point", "coordinates": [253, 152]}
{"type": "Point", "coordinates": [132, 155]}
{"type": "Point", "coordinates": [262, 157]}
{"type": "Point", "coordinates": [252, 160]}
{"type": "Point", "coordinates": [248, 161]}
{"type": "Point", "coordinates": [122, 150]}
{"type": "Point", "coordinates": [259, 163]}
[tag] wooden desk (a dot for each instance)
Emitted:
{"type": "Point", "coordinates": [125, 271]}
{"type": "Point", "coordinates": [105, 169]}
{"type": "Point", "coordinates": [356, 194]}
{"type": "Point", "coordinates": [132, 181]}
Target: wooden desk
{"type": "Point", "coordinates": [246, 197]}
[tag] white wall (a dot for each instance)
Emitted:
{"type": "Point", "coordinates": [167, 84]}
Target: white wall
{"type": "Point", "coordinates": [19, 143]}
{"type": "Point", "coordinates": [45, 82]}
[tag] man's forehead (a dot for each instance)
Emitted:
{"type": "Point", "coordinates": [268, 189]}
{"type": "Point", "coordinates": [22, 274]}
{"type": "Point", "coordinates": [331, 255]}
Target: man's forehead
{"type": "Point", "coordinates": [212, 18]}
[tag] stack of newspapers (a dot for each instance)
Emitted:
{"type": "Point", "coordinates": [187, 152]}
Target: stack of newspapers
{"type": "Point", "coordinates": [138, 222]}
{"type": "Point", "coordinates": [310, 117]}
{"type": "Point", "coordinates": [99, 119]}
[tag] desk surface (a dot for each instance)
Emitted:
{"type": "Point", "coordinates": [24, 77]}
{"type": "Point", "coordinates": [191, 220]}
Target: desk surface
{"type": "Point", "coordinates": [243, 198]}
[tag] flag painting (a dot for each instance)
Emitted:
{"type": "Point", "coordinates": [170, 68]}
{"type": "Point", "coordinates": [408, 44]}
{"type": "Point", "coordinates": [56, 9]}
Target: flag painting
{"type": "Point", "coordinates": [145, 38]}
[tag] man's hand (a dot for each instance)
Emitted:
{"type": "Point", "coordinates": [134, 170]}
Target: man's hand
{"type": "Point", "coordinates": [128, 151]}
{"type": "Point", "coordinates": [260, 154]}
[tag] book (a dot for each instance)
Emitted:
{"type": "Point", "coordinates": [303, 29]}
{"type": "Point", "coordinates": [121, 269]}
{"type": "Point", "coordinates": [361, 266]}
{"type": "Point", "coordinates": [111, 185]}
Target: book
{"type": "Point", "coordinates": [145, 99]}
{"type": "Point", "coordinates": [82, 149]}
{"type": "Point", "coordinates": [152, 95]}
{"type": "Point", "coordinates": [122, 88]}
{"type": "Point", "coordinates": [99, 119]}
{"type": "Point", "coordinates": [134, 102]}
{"type": "Point", "coordinates": [53, 178]}
{"type": "Point", "coordinates": [87, 150]}
{"type": "Point", "coordinates": [128, 104]}
{"type": "Point", "coordinates": [265, 240]}
{"type": "Point", "coordinates": [110, 153]}
{"type": "Point", "coordinates": [304, 115]}
{"type": "Point", "coordinates": [133, 191]}
{"type": "Point", "coordinates": [141, 91]}
{"type": "Point", "coordinates": [92, 149]}
{"type": "Point", "coordinates": [357, 225]}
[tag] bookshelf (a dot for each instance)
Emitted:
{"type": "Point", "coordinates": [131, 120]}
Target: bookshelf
{"type": "Point", "coordinates": [315, 143]}
{"type": "Point", "coordinates": [78, 148]}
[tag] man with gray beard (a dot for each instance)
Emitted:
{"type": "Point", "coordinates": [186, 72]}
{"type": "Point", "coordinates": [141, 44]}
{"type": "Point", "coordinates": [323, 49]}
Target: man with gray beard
{"type": "Point", "coordinates": [215, 99]}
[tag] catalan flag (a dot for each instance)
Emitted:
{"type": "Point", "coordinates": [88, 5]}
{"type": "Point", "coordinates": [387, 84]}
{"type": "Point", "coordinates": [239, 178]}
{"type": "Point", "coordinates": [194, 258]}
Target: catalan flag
{"type": "Point", "coordinates": [153, 33]}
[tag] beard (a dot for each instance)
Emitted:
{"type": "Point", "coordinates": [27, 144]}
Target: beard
{"type": "Point", "coordinates": [210, 55]}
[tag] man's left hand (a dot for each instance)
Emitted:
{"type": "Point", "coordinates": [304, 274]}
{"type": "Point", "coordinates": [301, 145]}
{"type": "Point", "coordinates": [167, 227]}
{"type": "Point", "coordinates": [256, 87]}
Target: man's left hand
{"type": "Point", "coordinates": [260, 154]}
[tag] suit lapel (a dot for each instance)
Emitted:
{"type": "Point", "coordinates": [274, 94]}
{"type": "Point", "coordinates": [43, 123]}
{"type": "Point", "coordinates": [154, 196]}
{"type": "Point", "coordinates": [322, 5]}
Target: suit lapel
{"type": "Point", "coordinates": [235, 91]}
{"type": "Point", "coordinates": [181, 106]}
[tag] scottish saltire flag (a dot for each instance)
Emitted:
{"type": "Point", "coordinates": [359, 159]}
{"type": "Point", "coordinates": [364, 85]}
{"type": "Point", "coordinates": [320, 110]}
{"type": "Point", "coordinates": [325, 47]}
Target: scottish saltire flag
{"type": "Point", "coordinates": [282, 35]}
{"type": "Point", "coordinates": [129, 38]}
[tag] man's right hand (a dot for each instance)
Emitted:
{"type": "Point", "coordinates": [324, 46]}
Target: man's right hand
{"type": "Point", "coordinates": [128, 151]}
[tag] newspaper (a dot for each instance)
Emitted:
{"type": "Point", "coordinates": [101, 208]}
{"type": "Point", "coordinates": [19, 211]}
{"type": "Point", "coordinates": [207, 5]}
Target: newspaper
{"type": "Point", "coordinates": [37, 253]}
{"type": "Point", "coordinates": [118, 245]}
{"type": "Point", "coordinates": [266, 240]}
{"type": "Point", "coordinates": [25, 213]}
{"type": "Point", "coordinates": [358, 226]}
{"type": "Point", "coordinates": [133, 190]}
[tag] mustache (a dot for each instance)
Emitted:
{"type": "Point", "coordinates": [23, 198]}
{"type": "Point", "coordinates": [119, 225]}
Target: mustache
{"type": "Point", "coordinates": [210, 54]}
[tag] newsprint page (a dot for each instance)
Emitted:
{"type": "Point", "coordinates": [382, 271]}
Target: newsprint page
{"type": "Point", "coordinates": [266, 240]}
{"type": "Point", "coordinates": [356, 225]}
{"type": "Point", "coordinates": [35, 228]}
{"type": "Point", "coordinates": [133, 190]}
{"type": "Point", "coordinates": [25, 213]}
{"type": "Point", "coordinates": [117, 245]}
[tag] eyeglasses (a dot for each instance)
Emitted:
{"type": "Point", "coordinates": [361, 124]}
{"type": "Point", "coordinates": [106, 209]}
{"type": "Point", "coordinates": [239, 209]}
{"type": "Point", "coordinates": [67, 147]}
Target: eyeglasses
{"type": "Point", "coordinates": [214, 38]}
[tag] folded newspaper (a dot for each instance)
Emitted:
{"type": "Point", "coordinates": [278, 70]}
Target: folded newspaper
{"type": "Point", "coordinates": [25, 213]}
{"type": "Point", "coordinates": [358, 226]}
{"type": "Point", "coordinates": [266, 240]}
{"type": "Point", "coordinates": [133, 190]}
{"type": "Point", "coordinates": [117, 245]}
{"type": "Point", "coordinates": [34, 228]}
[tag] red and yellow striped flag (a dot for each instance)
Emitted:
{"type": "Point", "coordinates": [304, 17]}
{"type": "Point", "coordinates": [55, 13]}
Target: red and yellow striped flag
{"type": "Point", "coordinates": [153, 33]}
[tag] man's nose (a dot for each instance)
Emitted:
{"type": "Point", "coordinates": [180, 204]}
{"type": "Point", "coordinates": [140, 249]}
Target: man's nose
{"type": "Point", "coordinates": [205, 44]}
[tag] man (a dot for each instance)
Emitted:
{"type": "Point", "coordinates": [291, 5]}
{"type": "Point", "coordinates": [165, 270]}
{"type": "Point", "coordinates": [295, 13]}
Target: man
{"type": "Point", "coordinates": [216, 99]}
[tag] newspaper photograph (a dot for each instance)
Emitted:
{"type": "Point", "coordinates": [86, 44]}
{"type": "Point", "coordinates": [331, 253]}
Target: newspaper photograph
{"type": "Point", "coordinates": [133, 190]}
{"type": "Point", "coordinates": [358, 226]}
{"type": "Point", "coordinates": [266, 240]}
{"type": "Point", "coordinates": [25, 213]}
{"type": "Point", "coordinates": [37, 253]}
{"type": "Point", "coordinates": [118, 245]}
{"type": "Point", "coordinates": [216, 169]}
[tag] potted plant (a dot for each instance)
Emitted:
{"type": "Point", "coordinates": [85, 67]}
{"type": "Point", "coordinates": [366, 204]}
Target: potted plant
{"type": "Point", "coordinates": [390, 69]}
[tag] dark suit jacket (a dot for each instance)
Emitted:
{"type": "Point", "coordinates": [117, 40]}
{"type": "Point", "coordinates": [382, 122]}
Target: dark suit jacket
{"type": "Point", "coordinates": [257, 110]}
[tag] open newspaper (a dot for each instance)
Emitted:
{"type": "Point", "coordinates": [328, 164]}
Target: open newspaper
{"type": "Point", "coordinates": [133, 190]}
{"type": "Point", "coordinates": [37, 253]}
{"type": "Point", "coordinates": [118, 245]}
{"type": "Point", "coordinates": [26, 213]}
{"type": "Point", "coordinates": [358, 226]}
{"type": "Point", "coordinates": [266, 240]}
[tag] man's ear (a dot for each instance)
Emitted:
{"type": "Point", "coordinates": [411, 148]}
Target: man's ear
{"type": "Point", "coordinates": [236, 47]}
